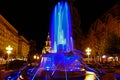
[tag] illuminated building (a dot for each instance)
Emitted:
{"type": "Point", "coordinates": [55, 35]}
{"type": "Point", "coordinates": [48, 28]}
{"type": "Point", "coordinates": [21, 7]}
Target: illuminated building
{"type": "Point", "coordinates": [9, 36]}
{"type": "Point", "coordinates": [23, 48]}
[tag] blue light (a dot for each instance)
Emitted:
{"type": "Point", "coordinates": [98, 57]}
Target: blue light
{"type": "Point", "coordinates": [61, 33]}
{"type": "Point", "coordinates": [47, 67]}
{"type": "Point", "coordinates": [71, 69]}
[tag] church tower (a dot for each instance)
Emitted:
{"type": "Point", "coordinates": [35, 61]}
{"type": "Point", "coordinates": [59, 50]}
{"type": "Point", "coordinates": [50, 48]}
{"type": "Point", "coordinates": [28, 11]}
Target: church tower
{"type": "Point", "coordinates": [47, 47]}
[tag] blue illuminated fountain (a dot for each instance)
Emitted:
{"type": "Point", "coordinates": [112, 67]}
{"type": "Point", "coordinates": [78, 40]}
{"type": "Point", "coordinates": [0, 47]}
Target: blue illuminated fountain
{"type": "Point", "coordinates": [61, 32]}
{"type": "Point", "coordinates": [62, 56]}
{"type": "Point", "coordinates": [63, 61]}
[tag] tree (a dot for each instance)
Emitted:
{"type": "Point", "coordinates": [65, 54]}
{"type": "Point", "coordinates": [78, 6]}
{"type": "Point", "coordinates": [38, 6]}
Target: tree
{"type": "Point", "coordinates": [76, 30]}
{"type": "Point", "coordinates": [112, 44]}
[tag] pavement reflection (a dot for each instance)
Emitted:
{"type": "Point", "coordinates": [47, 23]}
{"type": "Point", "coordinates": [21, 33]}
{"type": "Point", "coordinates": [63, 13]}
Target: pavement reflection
{"type": "Point", "coordinates": [90, 76]}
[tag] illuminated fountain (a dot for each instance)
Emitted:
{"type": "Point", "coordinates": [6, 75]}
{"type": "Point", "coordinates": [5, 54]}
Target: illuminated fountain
{"type": "Point", "coordinates": [63, 61]}
{"type": "Point", "coordinates": [61, 32]}
{"type": "Point", "coordinates": [62, 56]}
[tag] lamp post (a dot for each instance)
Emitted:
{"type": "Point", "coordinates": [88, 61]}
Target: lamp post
{"type": "Point", "coordinates": [9, 50]}
{"type": "Point", "coordinates": [88, 50]}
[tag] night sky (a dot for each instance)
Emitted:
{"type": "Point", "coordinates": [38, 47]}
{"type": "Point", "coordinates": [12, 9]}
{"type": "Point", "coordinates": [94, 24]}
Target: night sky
{"type": "Point", "coordinates": [32, 17]}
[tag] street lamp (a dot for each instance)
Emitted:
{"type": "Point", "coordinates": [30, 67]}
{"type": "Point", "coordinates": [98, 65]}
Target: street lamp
{"type": "Point", "coordinates": [9, 50]}
{"type": "Point", "coordinates": [88, 50]}
{"type": "Point", "coordinates": [36, 57]}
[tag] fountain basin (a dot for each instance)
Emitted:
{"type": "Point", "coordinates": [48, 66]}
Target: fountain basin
{"type": "Point", "coordinates": [62, 75]}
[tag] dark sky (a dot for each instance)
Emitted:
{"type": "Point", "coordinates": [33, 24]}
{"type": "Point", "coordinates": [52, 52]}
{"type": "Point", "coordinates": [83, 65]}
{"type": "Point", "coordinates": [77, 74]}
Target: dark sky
{"type": "Point", "coordinates": [32, 17]}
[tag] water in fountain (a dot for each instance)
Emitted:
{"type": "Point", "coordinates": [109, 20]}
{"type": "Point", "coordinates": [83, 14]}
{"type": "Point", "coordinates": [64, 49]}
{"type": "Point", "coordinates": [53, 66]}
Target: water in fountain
{"type": "Point", "coordinates": [61, 32]}
{"type": "Point", "coordinates": [62, 56]}
{"type": "Point", "coordinates": [64, 59]}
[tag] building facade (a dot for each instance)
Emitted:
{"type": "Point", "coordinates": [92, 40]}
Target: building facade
{"type": "Point", "coordinates": [9, 36]}
{"type": "Point", "coordinates": [23, 47]}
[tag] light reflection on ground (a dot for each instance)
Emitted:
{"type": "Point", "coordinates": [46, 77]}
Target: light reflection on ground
{"type": "Point", "coordinates": [90, 76]}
